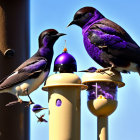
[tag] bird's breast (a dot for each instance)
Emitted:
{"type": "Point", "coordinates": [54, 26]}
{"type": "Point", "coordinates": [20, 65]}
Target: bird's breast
{"type": "Point", "coordinates": [30, 85]}
{"type": "Point", "coordinates": [93, 51]}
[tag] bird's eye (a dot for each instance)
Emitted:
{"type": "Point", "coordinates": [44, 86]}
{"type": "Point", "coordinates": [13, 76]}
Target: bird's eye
{"type": "Point", "coordinates": [53, 33]}
{"type": "Point", "coordinates": [48, 34]}
{"type": "Point", "coordinates": [78, 16]}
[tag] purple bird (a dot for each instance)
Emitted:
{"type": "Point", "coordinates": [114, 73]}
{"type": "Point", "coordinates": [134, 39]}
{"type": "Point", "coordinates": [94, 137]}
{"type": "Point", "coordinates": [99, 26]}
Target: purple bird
{"type": "Point", "coordinates": [37, 108]}
{"type": "Point", "coordinates": [106, 42]}
{"type": "Point", "coordinates": [41, 119]}
{"type": "Point", "coordinates": [34, 71]}
{"type": "Point", "coordinates": [91, 69]}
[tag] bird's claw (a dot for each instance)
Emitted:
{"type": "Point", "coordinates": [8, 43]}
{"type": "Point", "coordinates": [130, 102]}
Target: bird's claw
{"type": "Point", "coordinates": [99, 70]}
{"type": "Point", "coordinates": [102, 71]}
{"type": "Point", "coordinates": [111, 74]}
{"type": "Point", "coordinates": [20, 101]}
{"type": "Point", "coordinates": [30, 103]}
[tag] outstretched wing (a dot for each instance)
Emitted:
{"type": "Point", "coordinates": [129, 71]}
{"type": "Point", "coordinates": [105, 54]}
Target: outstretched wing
{"type": "Point", "coordinates": [31, 70]}
{"type": "Point", "coordinates": [113, 39]}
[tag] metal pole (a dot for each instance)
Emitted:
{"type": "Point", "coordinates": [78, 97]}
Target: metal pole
{"type": "Point", "coordinates": [102, 126]}
{"type": "Point", "coordinates": [14, 49]}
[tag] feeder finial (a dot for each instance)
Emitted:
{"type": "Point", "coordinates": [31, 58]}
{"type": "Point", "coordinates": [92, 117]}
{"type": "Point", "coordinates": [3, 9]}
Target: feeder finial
{"type": "Point", "coordinates": [65, 47]}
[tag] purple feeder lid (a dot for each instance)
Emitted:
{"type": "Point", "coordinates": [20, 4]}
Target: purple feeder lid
{"type": "Point", "coordinates": [65, 63]}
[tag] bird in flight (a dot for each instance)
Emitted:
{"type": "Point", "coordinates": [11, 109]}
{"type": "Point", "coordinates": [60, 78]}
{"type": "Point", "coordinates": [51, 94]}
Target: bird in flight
{"type": "Point", "coordinates": [37, 108]}
{"type": "Point", "coordinates": [41, 119]}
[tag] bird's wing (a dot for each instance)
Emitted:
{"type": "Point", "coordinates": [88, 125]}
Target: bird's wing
{"type": "Point", "coordinates": [111, 38]}
{"type": "Point", "coordinates": [107, 29]}
{"type": "Point", "coordinates": [31, 70]}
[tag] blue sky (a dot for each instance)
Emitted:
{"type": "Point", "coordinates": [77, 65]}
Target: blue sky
{"type": "Point", "coordinates": [44, 14]}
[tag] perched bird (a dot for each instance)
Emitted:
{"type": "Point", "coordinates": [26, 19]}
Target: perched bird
{"type": "Point", "coordinates": [91, 69]}
{"type": "Point", "coordinates": [37, 108]}
{"type": "Point", "coordinates": [41, 119]}
{"type": "Point", "coordinates": [34, 71]}
{"type": "Point", "coordinates": [106, 42]}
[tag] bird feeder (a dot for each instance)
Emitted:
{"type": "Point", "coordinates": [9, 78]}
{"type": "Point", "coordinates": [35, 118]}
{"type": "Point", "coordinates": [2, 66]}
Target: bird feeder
{"type": "Point", "coordinates": [64, 99]}
{"type": "Point", "coordinates": [65, 63]}
{"type": "Point", "coordinates": [102, 97]}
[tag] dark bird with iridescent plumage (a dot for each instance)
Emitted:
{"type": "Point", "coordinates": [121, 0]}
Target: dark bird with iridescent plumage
{"type": "Point", "coordinates": [106, 42]}
{"type": "Point", "coordinates": [37, 108]}
{"type": "Point", "coordinates": [41, 118]}
{"type": "Point", "coordinates": [91, 69]}
{"type": "Point", "coordinates": [34, 71]}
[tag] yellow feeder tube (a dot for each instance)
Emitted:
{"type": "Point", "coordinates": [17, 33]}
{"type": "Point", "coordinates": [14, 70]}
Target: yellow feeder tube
{"type": "Point", "coordinates": [64, 106]}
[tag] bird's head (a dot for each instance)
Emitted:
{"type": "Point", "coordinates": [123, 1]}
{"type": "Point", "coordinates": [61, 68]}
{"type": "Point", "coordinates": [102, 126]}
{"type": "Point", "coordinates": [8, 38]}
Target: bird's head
{"type": "Point", "coordinates": [48, 37]}
{"type": "Point", "coordinates": [83, 15]}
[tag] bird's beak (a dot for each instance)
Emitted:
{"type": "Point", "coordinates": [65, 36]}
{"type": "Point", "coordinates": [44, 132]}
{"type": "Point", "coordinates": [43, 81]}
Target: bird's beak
{"type": "Point", "coordinates": [43, 108]}
{"type": "Point", "coordinates": [83, 71]}
{"type": "Point", "coordinates": [70, 23]}
{"type": "Point", "coordinates": [60, 34]}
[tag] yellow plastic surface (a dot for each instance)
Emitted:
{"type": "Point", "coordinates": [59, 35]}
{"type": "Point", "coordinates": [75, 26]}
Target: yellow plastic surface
{"type": "Point", "coordinates": [102, 107]}
{"type": "Point", "coordinates": [63, 79]}
{"type": "Point", "coordinates": [64, 121]}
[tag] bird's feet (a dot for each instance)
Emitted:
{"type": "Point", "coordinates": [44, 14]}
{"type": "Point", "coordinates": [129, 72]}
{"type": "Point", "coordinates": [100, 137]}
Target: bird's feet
{"type": "Point", "coordinates": [20, 101]}
{"type": "Point", "coordinates": [111, 68]}
{"type": "Point", "coordinates": [30, 102]}
{"type": "Point", "coordinates": [102, 71]}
